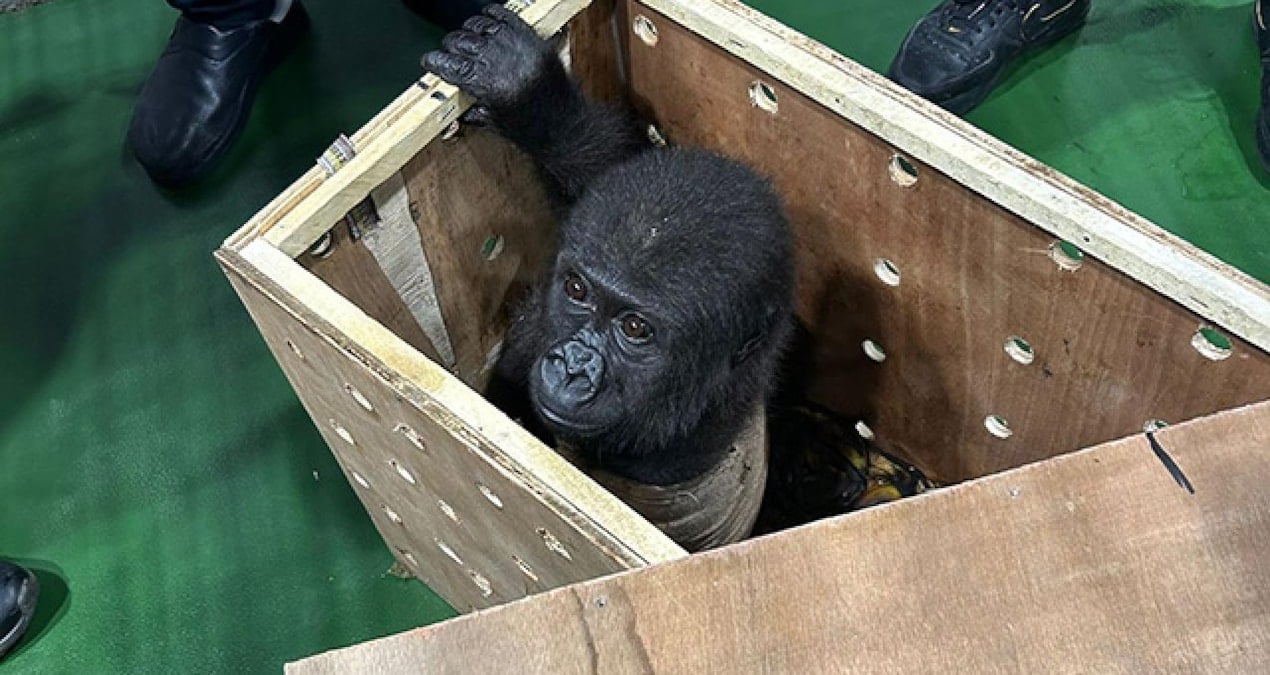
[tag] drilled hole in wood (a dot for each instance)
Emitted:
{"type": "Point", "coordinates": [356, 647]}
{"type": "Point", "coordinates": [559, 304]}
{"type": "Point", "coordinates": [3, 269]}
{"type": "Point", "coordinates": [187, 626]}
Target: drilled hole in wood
{"type": "Point", "coordinates": [295, 350]}
{"type": "Point", "coordinates": [873, 350]}
{"type": "Point", "coordinates": [902, 171]}
{"type": "Point", "coordinates": [1066, 255]}
{"type": "Point", "coordinates": [342, 432]}
{"type": "Point", "coordinates": [408, 557]}
{"type": "Point", "coordinates": [492, 247]}
{"type": "Point", "coordinates": [412, 436]}
{"type": "Point", "coordinates": [554, 544]}
{"type": "Point", "coordinates": [1211, 344]}
{"type": "Point", "coordinates": [763, 97]}
{"type": "Point", "coordinates": [524, 567]}
{"type": "Point", "coordinates": [361, 480]}
{"type": "Point", "coordinates": [359, 397]}
{"type": "Point", "coordinates": [451, 131]}
{"type": "Point", "coordinates": [863, 429]}
{"type": "Point", "coordinates": [887, 272]}
{"type": "Point", "coordinates": [322, 247]}
{"type": "Point", "coordinates": [481, 583]}
{"type": "Point", "coordinates": [1152, 426]}
{"type": "Point", "coordinates": [1019, 350]}
{"type": "Point", "coordinates": [402, 471]}
{"type": "Point", "coordinates": [449, 511]}
{"type": "Point", "coordinates": [392, 515]}
{"type": "Point", "coordinates": [997, 426]}
{"type": "Point", "coordinates": [449, 552]}
{"type": "Point", "coordinates": [645, 30]}
{"type": "Point", "coordinates": [489, 494]}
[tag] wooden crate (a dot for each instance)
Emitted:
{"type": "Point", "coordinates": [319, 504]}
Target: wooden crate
{"type": "Point", "coordinates": [380, 279]}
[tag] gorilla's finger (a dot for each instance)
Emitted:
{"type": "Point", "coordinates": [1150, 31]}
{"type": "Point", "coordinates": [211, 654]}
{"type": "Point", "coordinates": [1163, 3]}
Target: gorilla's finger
{"type": "Point", "coordinates": [456, 70]}
{"type": "Point", "coordinates": [463, 43]}
{"type": "Point", "coordinates": [478, 116]}
{"type": "Point", "coordinates": [498, 12]}
{"type": "Point", "coordinates": [482, 25]}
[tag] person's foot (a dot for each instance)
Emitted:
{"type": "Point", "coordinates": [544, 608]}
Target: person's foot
{"type": "Point", "coordinates": [199, 94]}
{"type": "Point", "coordinates": [18, 590]}
{"type": "Point", "coordinates": [958, 52]}
{"type": "Point", "coordinates": [1260, 10]}
{"type": "Point", "coordinates": [448, 14]}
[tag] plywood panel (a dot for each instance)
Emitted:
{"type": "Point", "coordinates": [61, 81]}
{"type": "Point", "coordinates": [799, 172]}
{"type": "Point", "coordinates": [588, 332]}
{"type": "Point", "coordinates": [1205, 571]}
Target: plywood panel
{"type": "Point", "coordinates": [458, 511]}
{"type": "Point", "coordinates": [1109, 353]}
{"type": "Point", "coordinates": [1093, 562]}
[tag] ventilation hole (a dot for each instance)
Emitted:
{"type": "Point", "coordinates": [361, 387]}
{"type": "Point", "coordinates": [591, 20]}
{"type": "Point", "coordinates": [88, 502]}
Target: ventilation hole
{"type": "Point", "coordinates": [412, 436]}
{"type": "Point", "coordinates": [645, 29]}
{"type": "Point", "coordinates": [409, 557]}
{"type": "Point", "coordinates": [359, 397]}
{"type": "Point", "coordinates": [1211, 344]}
{"type": "Point", "coordinates": [402, 471]}
{"type": "Point", "coordinates": [524, 567]}
{"type": "Point", "coordinates": [887, 272]}
{"type": "Point", "coordinates": [655, 136]}
{"type": "Point", "coordinates": [342, 432]}
{"type": "Point", "coordinates": [1152, 426]}
{"type": "Point", "coordinates": [492, 247]}
{"type": "Point", "coordinates": [997, 426]}
{"type": "Point", "coordinates": [438, 96]}
{"type": "Point", "coordinates": [873, 350]}
{"type": "Point", "coordinates": [763, 97]}
{"type": "Point", "coordinates": [392, 515]}
{"type": "Point", "coordinates": [295, 350]}
{"type": "Point", "coordinates": [863, 429]}
{"type": "Point", "coordinates": [489, 494]}
{"type": "Point", "coordinates": [360, 480]}
{"type": "Point", "coordinates": [554, 544]}
{"type": "Point", "coordinates": [449, 552]}
{"type": "Point", "coordinates": [1066, 256]}
{"type": "Point", "coordinates": [481, 583]}
{"type": "Point", "coordinates": [1019, 350]}
{"type": "Point", "coordinates": [902, 171]}
{"type": "Point", "coordinates": [449, 511]}
{"type": "Point", "coordinates": [451, 131]}
{"type": "Point", "coordinates": [322, 247]}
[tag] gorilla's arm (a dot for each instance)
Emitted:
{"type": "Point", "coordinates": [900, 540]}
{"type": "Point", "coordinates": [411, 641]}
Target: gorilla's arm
{"type": "Point", "coordinates": [522, 89]}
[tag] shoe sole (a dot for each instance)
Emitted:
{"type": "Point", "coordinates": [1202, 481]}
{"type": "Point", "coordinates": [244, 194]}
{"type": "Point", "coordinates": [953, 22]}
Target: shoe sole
{"type": "Point", "coordinates": [966, 101]}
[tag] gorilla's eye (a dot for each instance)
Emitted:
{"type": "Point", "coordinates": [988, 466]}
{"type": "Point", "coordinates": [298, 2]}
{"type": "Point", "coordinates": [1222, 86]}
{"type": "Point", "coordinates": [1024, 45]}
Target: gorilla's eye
{"type": "Point", "coordinates": [574, 287]}
{"type": "Point", "coordinates": [635, 328]}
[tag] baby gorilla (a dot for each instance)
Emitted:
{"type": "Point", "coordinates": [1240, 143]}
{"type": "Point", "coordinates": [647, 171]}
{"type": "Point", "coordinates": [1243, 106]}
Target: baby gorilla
{"type": "Point", "coordinates": [657, 333]}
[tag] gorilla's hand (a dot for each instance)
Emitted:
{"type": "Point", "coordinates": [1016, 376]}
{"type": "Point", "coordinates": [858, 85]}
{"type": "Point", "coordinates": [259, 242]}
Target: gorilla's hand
{"type": "Point", "coordinates": [496, 57]}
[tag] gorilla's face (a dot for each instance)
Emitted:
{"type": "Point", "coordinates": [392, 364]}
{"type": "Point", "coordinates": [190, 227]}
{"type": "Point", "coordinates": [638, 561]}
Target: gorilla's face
{"type": "Point", "coordinates": [606, 356]}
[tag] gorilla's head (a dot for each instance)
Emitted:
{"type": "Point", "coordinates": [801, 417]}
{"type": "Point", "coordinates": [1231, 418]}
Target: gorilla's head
{"type": "Point", "coordinates": [666, 310]}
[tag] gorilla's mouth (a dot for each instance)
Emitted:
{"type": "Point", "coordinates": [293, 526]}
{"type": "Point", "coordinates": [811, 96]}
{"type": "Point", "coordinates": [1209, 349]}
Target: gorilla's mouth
{"type": "Point", "coordinates": [562, 424]}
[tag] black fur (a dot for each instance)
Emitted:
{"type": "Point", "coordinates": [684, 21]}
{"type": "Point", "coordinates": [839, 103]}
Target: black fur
{"type": "Point", "coordinates": [691, 243]}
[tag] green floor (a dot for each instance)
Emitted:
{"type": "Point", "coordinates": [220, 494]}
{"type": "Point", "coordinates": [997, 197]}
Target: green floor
{"type": "Point", "coordinates": [154, 465]}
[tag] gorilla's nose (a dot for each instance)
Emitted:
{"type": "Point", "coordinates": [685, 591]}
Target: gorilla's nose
{"type": "Point", "coordinates": [572, 373]}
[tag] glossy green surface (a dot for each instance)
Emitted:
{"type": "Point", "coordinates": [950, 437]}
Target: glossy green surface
{"type": "Point", "coordinates": [155, 466]}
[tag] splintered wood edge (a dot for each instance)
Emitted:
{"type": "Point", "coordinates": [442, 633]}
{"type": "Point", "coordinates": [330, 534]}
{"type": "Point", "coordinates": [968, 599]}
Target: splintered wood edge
{"type": "Point", "coordinates": [804, 596]}
{"type": "Point", "coordinates": [1009, 178]}
{"type": "Point", "coordinates": [610, 523]}
{"type": "Point", "coordinates": [295, 219]}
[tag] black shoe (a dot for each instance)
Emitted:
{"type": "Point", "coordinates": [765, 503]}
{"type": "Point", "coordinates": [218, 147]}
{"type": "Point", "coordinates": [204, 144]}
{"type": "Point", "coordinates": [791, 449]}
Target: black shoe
{"type": "Point", "coordinates": [200, 92]}
{"type": "Point", "coordinates": [18, 590]}
{"type": "Point", "coordinates": [448, 14]}
{"type": "Point", "coordinates": [1263, 115]}
{"type": "Point", "coordinates": [957, 53]}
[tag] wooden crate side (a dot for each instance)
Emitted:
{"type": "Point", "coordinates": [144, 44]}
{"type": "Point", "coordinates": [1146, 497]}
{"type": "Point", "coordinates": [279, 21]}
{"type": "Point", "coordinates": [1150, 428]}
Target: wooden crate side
{"type": "Point", "coordinates": [456, 235]}
{"type": "Point", "coordinates": [1107, 353]}
{"type": "Point", "coordinates": [985, 165]}
{"type": "Point", "coordinates": [476, 507]}
{"type": "Point", "coordinates": [1092, 562]}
